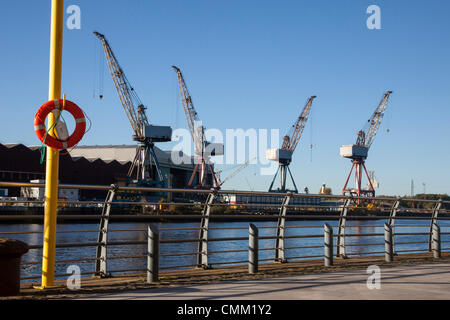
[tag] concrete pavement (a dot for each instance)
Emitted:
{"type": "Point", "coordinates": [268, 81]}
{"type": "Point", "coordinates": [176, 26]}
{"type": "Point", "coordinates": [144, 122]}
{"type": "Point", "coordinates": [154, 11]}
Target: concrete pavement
{"type": "Point", "coordinates": [410, 282]}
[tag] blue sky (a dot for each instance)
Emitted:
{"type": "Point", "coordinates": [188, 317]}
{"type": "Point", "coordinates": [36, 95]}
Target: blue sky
{"type": "Point", "coordinates": [253, 64]}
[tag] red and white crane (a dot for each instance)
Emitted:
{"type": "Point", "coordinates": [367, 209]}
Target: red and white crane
{"type": "Point", "coordinates": [203, 149]}
{"type": "Point", "coordinates": [358, 152]}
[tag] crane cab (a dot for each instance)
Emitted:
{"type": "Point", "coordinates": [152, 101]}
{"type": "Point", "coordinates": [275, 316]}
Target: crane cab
{"type": "Point", "coordinates": [279, 155]}
{"type": "Point", "coordinates": [158, 133]}
{"type": "Point", "coordinates": [354, 151]}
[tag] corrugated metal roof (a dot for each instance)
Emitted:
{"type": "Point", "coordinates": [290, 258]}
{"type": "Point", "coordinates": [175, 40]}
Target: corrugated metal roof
{"type": "Point", "coordinates": [126, 153]}
{"type": "Point", "coordinates": [120, 153]}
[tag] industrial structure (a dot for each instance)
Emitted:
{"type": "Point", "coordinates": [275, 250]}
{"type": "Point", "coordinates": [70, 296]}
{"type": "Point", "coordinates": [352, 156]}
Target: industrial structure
{"type": "Point", "coordinates": [145, 163]}
{"type": "Point", "coordinates": [203, 149]}
{"type": "Point", "coordinates": [290, 142]}
{"type": "Point", "coordinates": [233, 174]}
{"type": "Point", "coordinates": [358, 152]}
{"type": "Point", "coordinates": [36, 193]}
{"type": "Point", "coordinates": [149, 166]}
{"type": "Point", "coordinates": [325, 190]}
{"type": "Point", "coordinates": [88, 165]}
{"type": "Point", "coordinates": [267, 202]}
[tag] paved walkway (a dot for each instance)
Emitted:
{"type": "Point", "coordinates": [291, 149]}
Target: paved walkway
{"type": "Point", "coordinates": [428, 282]}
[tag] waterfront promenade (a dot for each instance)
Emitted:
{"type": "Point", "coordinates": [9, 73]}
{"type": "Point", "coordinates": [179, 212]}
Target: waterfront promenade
{"type": "Point", "coordinates": [410, 276]}
{"type": "Point", "coordinates": [418, 282]}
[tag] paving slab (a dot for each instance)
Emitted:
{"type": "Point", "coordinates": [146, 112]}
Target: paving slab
{"type": "Point", "coordinates": [413, 282]}
{"type": "Point", "coordinates": [187, 279]}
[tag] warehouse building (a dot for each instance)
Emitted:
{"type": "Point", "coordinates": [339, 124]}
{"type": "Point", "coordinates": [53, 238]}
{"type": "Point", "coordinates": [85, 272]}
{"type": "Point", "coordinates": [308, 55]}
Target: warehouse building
{"type": "Point", "coordinates": [88, 165]}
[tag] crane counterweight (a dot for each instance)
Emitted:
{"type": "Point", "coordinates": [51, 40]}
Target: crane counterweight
{"type": "Point", "coordinates": [354, 152]}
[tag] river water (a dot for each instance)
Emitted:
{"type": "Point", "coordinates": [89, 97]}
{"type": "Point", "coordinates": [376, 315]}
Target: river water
{"type": "Point", "coordinates": [355, 245]}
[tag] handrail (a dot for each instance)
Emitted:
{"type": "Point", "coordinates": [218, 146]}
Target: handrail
{"type": "Point", "coordinates": [220, 192]}
{"type": "Point", "coordinates": [299, 246]}
{"type": "Point", "coordinates": [134, 242]}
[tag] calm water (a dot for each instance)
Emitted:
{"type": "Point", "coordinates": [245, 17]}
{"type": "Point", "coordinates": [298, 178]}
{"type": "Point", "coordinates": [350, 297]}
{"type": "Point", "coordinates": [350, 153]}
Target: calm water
{"type": "Point", "coordinates": [137, 250]}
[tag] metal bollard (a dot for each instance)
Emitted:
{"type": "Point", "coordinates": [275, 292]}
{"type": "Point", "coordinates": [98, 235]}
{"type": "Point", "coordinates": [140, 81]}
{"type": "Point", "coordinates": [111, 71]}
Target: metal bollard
{"type": "Point", "coordinates": [11, 252]}
{"type": "Point", "coordinates": [388, 243]}
{"type": "Point", "coordinates": [152, 254]}
{"type": "Point", "coordinates": [436, 241]}
{"type": "Point", "coordinates": [252, 249]}
{"type": "Point", "coordinates": [328, 245]}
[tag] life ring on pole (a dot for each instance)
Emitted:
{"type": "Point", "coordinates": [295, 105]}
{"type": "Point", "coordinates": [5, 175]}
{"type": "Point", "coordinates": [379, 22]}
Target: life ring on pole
{"type": "Point", "coordinates": [62, 105]}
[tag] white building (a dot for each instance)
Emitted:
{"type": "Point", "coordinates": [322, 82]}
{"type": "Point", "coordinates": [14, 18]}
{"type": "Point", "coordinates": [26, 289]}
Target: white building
{"type": "Point", "coordinates": [37, 193]}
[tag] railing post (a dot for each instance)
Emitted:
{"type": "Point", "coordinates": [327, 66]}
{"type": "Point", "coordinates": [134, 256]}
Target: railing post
{"type": "Point", "coordinates": [152, 254]}
{"type": "Point", "coordinates": [388, 243]}
{"type": "Point", "coordinates": [279, 246]}
{"type": "Point", "coordinates": [102, 239]}
{"type": "Point", "coordinates": [434, 219]}
{"type": "Point", "coordinates": [202, 258]}
{"type": "Point", "coordinates": [393, 215]}
{"type": "Point", "coordinates": [394, 212]}
{"type": "Point", "coordinates": [436, 241]}
{"type": "Point", "coordinates": [253, 248]}
{"type": "Point", "coordinates": [328, 245]}
{"type": "Point", "coordinates": [340, 246]}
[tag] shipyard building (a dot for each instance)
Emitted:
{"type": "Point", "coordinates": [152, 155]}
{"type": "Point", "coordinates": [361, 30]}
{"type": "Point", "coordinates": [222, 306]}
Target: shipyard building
{"type": "Point", "coordinates": [86, 165]}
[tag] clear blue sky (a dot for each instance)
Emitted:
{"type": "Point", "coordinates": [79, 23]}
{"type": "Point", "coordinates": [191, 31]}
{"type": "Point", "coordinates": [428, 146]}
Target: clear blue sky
{"type": "Point", "coordinates": [252, 64]}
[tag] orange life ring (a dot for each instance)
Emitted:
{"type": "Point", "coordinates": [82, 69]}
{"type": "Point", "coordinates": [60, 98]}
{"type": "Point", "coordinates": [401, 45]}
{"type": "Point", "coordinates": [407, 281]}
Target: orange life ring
{"type": "Point", "coordinates": [41, 130]}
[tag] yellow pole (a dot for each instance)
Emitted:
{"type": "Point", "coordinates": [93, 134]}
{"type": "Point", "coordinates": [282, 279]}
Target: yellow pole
{"type": "Point", "coordinates": [52, 170]}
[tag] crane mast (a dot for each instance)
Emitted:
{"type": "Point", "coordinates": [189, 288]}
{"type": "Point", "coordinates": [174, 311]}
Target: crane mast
{"type": "Point", "coordinates": [290, 142]}
{"type": "Point", "coordinates": [359, 151]}
{"type": "Point", "coordinates": [144, 133]}
{"type": "Point", "coordinates": [126, 93]}
{"type": "Point", "coordinates": [203, 149]}
{"type": "Point", "coordinates": [194, 124]}
{"type": "Point", "coordinates": [375, 122]}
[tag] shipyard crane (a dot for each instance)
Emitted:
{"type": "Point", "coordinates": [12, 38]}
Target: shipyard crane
{"type": "Point", "coordinates": [234, 173]}
{"type": "Point", "coordinates": [290, 142]}
{"type": "Point", "coordinates": [145, 134]}
{"type": "Point", "coordinates": [203, 149]}
{"type": "Point", "coordinates": [358, 152]}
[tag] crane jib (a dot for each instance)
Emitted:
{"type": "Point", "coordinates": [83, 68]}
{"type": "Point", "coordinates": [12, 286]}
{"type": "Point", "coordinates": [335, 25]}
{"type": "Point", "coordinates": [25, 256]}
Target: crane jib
{"type": "Point", "coordinates": [203, 149]}
{"type": "Point", "coordinates": [375, 121]}
{"type": "Point", "coordinates": [291, 142]}
{"type": "Point", "coordinates": [144, 133]}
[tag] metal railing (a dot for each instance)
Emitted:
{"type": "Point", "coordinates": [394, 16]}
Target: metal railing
{"type": "Point", "coordinates": [260, 243]}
